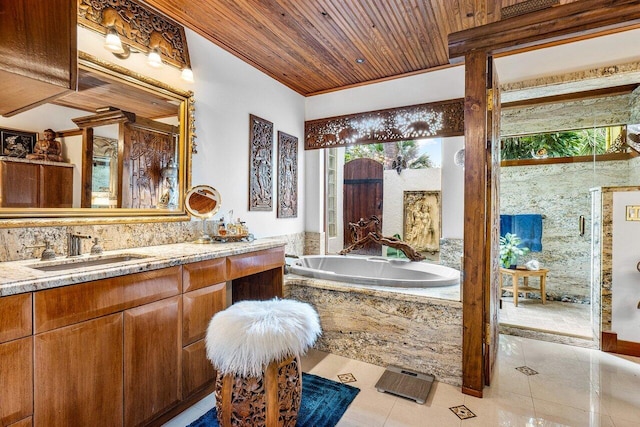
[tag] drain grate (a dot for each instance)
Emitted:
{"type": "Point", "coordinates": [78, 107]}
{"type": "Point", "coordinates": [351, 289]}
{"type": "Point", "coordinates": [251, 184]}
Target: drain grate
{"type": "Point", "coordinates": [405, 383]}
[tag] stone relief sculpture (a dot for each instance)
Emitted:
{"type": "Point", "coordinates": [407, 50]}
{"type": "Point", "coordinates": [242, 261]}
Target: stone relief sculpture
{"type": "Point", "coordinates": [260, 164]}
{"type": "Point", "coordinates": [287, 176]}
{"type": "Point", "coordinates": [422, 220]}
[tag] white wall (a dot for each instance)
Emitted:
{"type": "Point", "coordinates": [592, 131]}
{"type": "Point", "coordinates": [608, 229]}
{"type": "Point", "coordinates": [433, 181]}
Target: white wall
{"type": "Point", "coordinates": [452, 190]}
{"type": "Point", "coordinates": [227, 91]}
{"type": "Point", "coordinates": [427, 87]}
{"type": "Point", "coordinates": [625, 317]}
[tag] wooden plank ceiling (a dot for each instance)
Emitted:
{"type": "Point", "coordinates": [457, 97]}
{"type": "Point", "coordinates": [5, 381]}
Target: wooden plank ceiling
{"type": "Point", "coordinates": [313, 46]}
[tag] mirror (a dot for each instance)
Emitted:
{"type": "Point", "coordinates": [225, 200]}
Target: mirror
{"type": "Point", "coordinates": [203, 202]}
{"type": "Point", "coordinates": [126, 145]}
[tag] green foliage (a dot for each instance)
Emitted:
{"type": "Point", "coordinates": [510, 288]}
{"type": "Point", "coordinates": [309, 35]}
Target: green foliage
{"type": "Point", "coordinates": [365, 151]}
{"type": "Point", "coordinates": [386, 153]}
{"type": "Point", "coordinates": [509, 250]}
{"type": "Point", "coordinates": [582, 142]}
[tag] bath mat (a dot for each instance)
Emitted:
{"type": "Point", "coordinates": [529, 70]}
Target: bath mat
{"type": "Point", "coordinates": [323, 403]}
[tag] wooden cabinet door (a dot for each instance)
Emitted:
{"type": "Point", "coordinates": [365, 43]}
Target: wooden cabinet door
{"type": "Point", "coordinates": [56, 186]}
{"type": "Point", "coordinates": [152, 359]}
{"type": "Point", "coordinates": [39, 55]}
{"type": "Point", "coordinates": [78, 374]}
{"type": "Point", "coordinates": [198, 308]}
{"type": "Point", "coordinates": [16, 380]}
{"type": "Point", "coordinates": [197, 370]}
{"type": "Point", "coordinates": [19, 185]}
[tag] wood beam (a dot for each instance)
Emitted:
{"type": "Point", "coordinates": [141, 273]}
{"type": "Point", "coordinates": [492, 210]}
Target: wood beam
{"type": "Point", "coordinates": [475, 233]}
{"type": "Point", "coordinates": [554, 24]}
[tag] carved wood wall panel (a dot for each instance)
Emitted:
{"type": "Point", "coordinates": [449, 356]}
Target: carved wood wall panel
{"type": "Point", "coordinates": [260, 164]}
{"type": "Point", "coordinates": [395, 124]}
{"type": "Point", "coordinates": [138, 26]}
{"type": "Point", "coordinates": [146, 153]}
{"type": "Point", "coordinates": [287, 175]}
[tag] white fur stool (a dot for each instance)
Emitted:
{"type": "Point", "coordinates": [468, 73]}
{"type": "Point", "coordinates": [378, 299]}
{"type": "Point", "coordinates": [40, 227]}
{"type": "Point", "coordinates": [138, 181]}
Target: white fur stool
{"type": "Point", "coordinates": [255, 347]}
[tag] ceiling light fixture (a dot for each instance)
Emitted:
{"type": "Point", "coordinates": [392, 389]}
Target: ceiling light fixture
{"type": "Point", "coordinates": [112, 41]}
{"type": "Point", "coordinates": [154, 59]}
{"type": "Point", "coordinates": [359, 60]}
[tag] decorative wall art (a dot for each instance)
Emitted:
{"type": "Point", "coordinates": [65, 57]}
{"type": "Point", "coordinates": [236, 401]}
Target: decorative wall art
{"type": "Point", "coordinates": [442, 119]}
{"type": "Point", "coordinates": [287, 175]}
{"type": "Point", "coordinates": [260, 164]}
{"type": "Point", "coordinates": [16, 143]}
{"type": "Point", "coordinates": [422, 220]}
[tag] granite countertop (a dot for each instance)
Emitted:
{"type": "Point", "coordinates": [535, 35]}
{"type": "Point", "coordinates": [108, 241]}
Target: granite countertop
{"type": "Point", "coordinates": [17, 277]}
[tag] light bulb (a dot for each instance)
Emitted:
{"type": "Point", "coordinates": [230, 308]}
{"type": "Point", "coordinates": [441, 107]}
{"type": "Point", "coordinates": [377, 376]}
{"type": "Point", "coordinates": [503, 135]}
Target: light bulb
{"type": "Point", "coordinates": [187, 75]}
{"type": "Point", "coordinates": [112, 41]}
{"type": "Point", "coordinates": [154, 59]}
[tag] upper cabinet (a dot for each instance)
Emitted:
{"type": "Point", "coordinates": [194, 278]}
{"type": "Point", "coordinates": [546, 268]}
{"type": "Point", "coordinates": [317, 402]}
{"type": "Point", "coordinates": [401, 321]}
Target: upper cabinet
{"type": "Point", "coordinates": [38, 55]}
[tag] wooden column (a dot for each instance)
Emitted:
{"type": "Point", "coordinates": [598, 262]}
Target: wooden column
{"type": "Point", "coordinates": [475, 233]}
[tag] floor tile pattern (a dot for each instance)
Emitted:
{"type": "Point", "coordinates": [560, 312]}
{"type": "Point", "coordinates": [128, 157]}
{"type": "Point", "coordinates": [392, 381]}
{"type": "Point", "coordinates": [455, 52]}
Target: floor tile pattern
{"type": "Point", "coordinates": [527, 370]}
{"type": "Point", "coordinates": [347, 378]}
{"type": "Point", "coordinates": [574, 386]}
{"type": "Point", "coordinates": [462, 412]}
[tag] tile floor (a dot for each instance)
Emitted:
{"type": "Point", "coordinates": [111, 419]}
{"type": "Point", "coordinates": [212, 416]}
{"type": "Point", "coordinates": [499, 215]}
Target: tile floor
{"type": "Point", "coordinates": [557, 385]}
{"type": "Point", "coordinates": [554, 316]}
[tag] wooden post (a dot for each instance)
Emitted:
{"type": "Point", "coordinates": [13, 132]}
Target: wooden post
{"type": "Point", "coordinates": [475, 233]}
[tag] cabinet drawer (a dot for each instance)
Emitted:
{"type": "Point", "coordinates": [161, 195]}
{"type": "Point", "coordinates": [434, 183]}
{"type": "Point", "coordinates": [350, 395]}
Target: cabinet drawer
{"type": "Point", "coordinates": [198, 309]}
{"type": "Point", "coordinates": [197, 370]}
{"type": "Point", "coordinates": [204, 273]}
{"type": "Point", "coordinates": [15, 317]}
{"type": "Point", "coordinates": [59, 307]}
{"type": "Point", "coordinates": [254, 262]}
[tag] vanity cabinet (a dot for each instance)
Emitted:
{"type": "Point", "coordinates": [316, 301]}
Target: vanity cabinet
{"type": "Point", "coordinates": [38, 52]}
{"type": "Point", "coordinates": [121, 351]}
{"type": "Point", "coordinates": [25, 184]}
{"type": "Point", "coordinates": [108, 348]}
{"type": "Point", "coordinates": [16, 354]}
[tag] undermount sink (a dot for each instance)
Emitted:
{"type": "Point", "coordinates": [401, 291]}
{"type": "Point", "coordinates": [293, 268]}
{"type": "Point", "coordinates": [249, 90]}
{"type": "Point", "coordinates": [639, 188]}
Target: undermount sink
{"type": "Point", "coordinates": [78, 263]}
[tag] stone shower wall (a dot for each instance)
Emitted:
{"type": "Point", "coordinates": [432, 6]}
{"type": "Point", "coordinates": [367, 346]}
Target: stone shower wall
{"type": "Point", "coordinates": [560, 192]}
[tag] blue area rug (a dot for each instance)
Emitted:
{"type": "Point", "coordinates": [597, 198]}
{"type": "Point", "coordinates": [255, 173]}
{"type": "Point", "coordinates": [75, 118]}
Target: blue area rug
{"type": "Point", "coordinates": [323, 403]}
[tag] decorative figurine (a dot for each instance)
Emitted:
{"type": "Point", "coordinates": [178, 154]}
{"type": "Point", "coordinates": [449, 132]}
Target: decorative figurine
{"type": "Point", "coordinates": [47, 148]}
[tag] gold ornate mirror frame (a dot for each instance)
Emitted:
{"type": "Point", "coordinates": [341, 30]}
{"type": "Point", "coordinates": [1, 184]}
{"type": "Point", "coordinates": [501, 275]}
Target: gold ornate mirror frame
{"type": "Point", "coordinates": [184, 100]}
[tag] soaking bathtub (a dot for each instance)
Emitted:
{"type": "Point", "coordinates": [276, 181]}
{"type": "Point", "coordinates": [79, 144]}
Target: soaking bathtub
{"type": "Point", "coordinates": [379, 271]}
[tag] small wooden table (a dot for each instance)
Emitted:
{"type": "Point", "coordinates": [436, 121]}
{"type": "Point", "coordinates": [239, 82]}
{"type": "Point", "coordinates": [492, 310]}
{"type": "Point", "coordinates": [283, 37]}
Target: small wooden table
{"type": "Point", "coordinates": [519, 272]}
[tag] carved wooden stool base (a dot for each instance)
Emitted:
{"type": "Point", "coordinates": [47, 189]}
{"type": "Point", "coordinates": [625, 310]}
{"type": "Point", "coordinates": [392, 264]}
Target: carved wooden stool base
{"type": "Point", "coordinates": [270, 400]}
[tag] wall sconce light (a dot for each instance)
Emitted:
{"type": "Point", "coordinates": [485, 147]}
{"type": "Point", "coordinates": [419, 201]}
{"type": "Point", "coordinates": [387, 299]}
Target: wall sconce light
{"type": "Point", "coordinates": [154, 59]}
{"type": "Point", "coordinates": [187, 75]}
{"type": "Point", "coordinates": [112, 41]}
{"type": "Point", "coordinates": [114, 45]}
{"type": "Point", "coordinates": [458, 158]}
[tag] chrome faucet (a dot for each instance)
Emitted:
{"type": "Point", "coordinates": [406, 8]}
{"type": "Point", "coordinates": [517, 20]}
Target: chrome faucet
{"type": "Point", "coordinates": [74, 244]}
